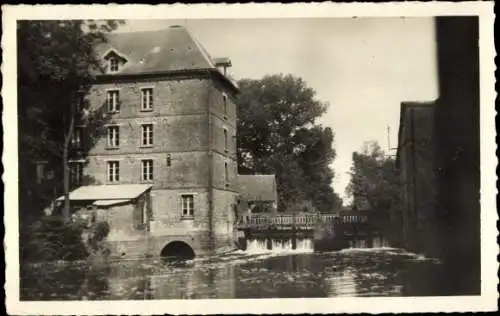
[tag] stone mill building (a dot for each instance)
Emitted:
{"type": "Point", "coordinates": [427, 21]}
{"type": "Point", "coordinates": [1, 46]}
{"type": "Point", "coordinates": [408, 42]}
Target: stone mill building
{"type": "Point", "coordinates": [164, 168]}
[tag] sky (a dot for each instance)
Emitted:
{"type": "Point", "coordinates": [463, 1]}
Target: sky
{"type": "Point", "coordinates": [362, 67]}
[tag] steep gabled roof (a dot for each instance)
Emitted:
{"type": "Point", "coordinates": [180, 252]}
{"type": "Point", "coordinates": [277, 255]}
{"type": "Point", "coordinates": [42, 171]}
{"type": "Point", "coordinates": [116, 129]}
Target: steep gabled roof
{"type": "Point", "coordinates": [173, 49]}
{"type": "Point", "coordinates": [258, 187]}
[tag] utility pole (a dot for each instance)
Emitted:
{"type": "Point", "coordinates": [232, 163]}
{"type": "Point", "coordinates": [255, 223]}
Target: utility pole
{"type": "Point", "coordinates": [388, 139]}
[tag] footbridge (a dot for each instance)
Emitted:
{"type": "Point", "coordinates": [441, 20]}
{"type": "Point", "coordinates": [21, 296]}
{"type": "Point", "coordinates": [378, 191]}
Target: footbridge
{"type": "Point", "coordinates": [324, 230]}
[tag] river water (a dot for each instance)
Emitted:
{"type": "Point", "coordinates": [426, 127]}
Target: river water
{"type": "Point", "coordinates": [254, 273]}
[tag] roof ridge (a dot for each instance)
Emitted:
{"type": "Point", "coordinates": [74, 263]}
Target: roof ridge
{"type": "Point", "coordinates": [177, 49]}
{"type": "Point", "coordinates": [202, 49]}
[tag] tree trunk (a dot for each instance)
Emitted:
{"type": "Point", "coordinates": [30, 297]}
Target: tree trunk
{"type": "Point", "coordinates": [67, 140]}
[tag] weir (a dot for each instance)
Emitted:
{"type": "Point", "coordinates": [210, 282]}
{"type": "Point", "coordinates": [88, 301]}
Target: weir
{"type": "Point", "coordinates": [260, 245]}
{"type": "Point", "coordinates": [308, 232]}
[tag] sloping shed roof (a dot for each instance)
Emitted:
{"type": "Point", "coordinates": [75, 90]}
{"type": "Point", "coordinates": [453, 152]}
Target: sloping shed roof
{"type": "Point", "coordinates": [109, 202]}
{"type": "Point", "coordinates": [107, 192]}
{"type": "Point", "coordinates": [258, 187]}
{"type": "Point", "coordinates": [171, 49]}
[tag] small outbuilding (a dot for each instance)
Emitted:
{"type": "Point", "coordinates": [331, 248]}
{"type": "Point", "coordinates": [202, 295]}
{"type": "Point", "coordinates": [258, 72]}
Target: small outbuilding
{"type": "Point", "coordinates": [126, 208]}
{"type": "Point", "coordinates": [257, 194]}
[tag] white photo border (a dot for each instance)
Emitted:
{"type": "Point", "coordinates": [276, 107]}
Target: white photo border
{"type": "Point", "coordinates": [487, 301]}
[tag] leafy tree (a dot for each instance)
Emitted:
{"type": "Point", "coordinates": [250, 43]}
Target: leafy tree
{"type": "Point", "coordinates": [278, 133]}
{"type": "Point", "coordinates": [374, 181]}
{"type": "Point", "coordinates": [56, 64]}
{"type": "Point", "coordinates": [374, 187]}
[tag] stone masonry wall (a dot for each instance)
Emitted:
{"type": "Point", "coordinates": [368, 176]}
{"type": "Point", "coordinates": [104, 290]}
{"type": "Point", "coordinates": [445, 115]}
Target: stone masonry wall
{"type": "Point", "coordinates": [186, 170]}
{"type": "Point", "coordinates": [224, 218]}
{"type": "Point", "coordinates": [124, 239]}
{"type": "Point", "coordinates": [167, 215]}
{"type": "Point", "coordinates": [171, 96]}
{"type": "Point", "coordinates": [179, 118]}
{"type": "Point", "coordinates": [181, 132]}
{"type": "Point", "coordinates": [225, 192]}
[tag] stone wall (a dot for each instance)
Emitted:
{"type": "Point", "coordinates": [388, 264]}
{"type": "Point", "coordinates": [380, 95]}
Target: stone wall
{"type": "Point", "coordinates": [418, 176]}
{"type": "Point", "coordinates": [224, 190]}
{"type": "Point", "coordinates": [167, 213]}
{"type": "Point", "coordinates": [218, 173]}
{"type": "Point", "coordinates": [224, 185]}
{"type": "Point", "coordinates": [180, 129]}
{"type": "Point", "coordinates": [170, 134]}
{"type": "Point", "coordinates": [224, 218]}
{"type": "Point", "coordinates": [125, 239]}
{"type": "Point", "coordinates": [218, 141]}
{"type": "Point", "coordinates": [189, 117]}
{"type": "Point", "coordinates": [186, 169]}
{"type": "Point", "coordinates": [172, 96]}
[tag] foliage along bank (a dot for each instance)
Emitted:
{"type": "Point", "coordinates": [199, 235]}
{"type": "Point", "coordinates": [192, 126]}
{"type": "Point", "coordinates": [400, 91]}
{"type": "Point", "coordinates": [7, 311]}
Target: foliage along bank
{"type": "Point", "coordinates": [374, 187]}
{"type": "Point", "coordinates": [278, 133]}
{"type": "Point", "coordinates": [56, 62]}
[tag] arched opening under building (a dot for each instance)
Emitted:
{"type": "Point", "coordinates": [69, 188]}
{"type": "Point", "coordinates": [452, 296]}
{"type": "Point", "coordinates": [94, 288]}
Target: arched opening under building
{"type": "Point", "coordinates": [176, 251]}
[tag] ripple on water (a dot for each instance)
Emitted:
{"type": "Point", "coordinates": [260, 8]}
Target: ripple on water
{"type": "Point", "coordinates": [349, 272]}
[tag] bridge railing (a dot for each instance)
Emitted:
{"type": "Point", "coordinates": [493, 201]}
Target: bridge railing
{"type": "Point", "coordinates": [298, 219]}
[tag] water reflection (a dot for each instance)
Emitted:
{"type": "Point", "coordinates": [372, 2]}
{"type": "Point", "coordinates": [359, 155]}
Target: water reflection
{"type": "Point", "coordinates": [339, 283]}
{"type": "Point", "coordinates": [351, 272]}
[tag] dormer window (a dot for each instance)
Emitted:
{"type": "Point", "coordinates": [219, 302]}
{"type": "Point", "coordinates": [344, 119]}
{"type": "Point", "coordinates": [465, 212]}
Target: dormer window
{"type": "Point", "coordinates": [114, 60]}
{"type": "Point", "coordinates": [114, 64]}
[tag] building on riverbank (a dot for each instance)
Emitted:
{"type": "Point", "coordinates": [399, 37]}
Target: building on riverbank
{"type": "Point", "coordinates": [258, 194]}
{"type": "Point", "coordinates": [416, 164]}
{"type": "Point", "coordinates": [171, 124]}
{"type": "Point", "coordinates": [438, 159]}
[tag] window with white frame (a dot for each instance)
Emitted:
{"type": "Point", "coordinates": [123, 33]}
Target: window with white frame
{"type": "Point", "coordinates": [146, 99]}
{"type": "Point", "coordinates": [147, 170]}
{"type": "Point", "coordinates": [113, 100]}
{"type": "Point", "coordinates": [113, 171]}
{"type": "Point", "coordinates": [76, 172]}
{"type": "Point", "coordinates": [76, 138]}
{"type": "Point", "coordinates": [114, 64]}
{"type": "Point", "coordinates": [187, 205]}
{"type": "Point", "coordinates": [113, 136]}
{"type": "Point", "coordinates": [147, 134]}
